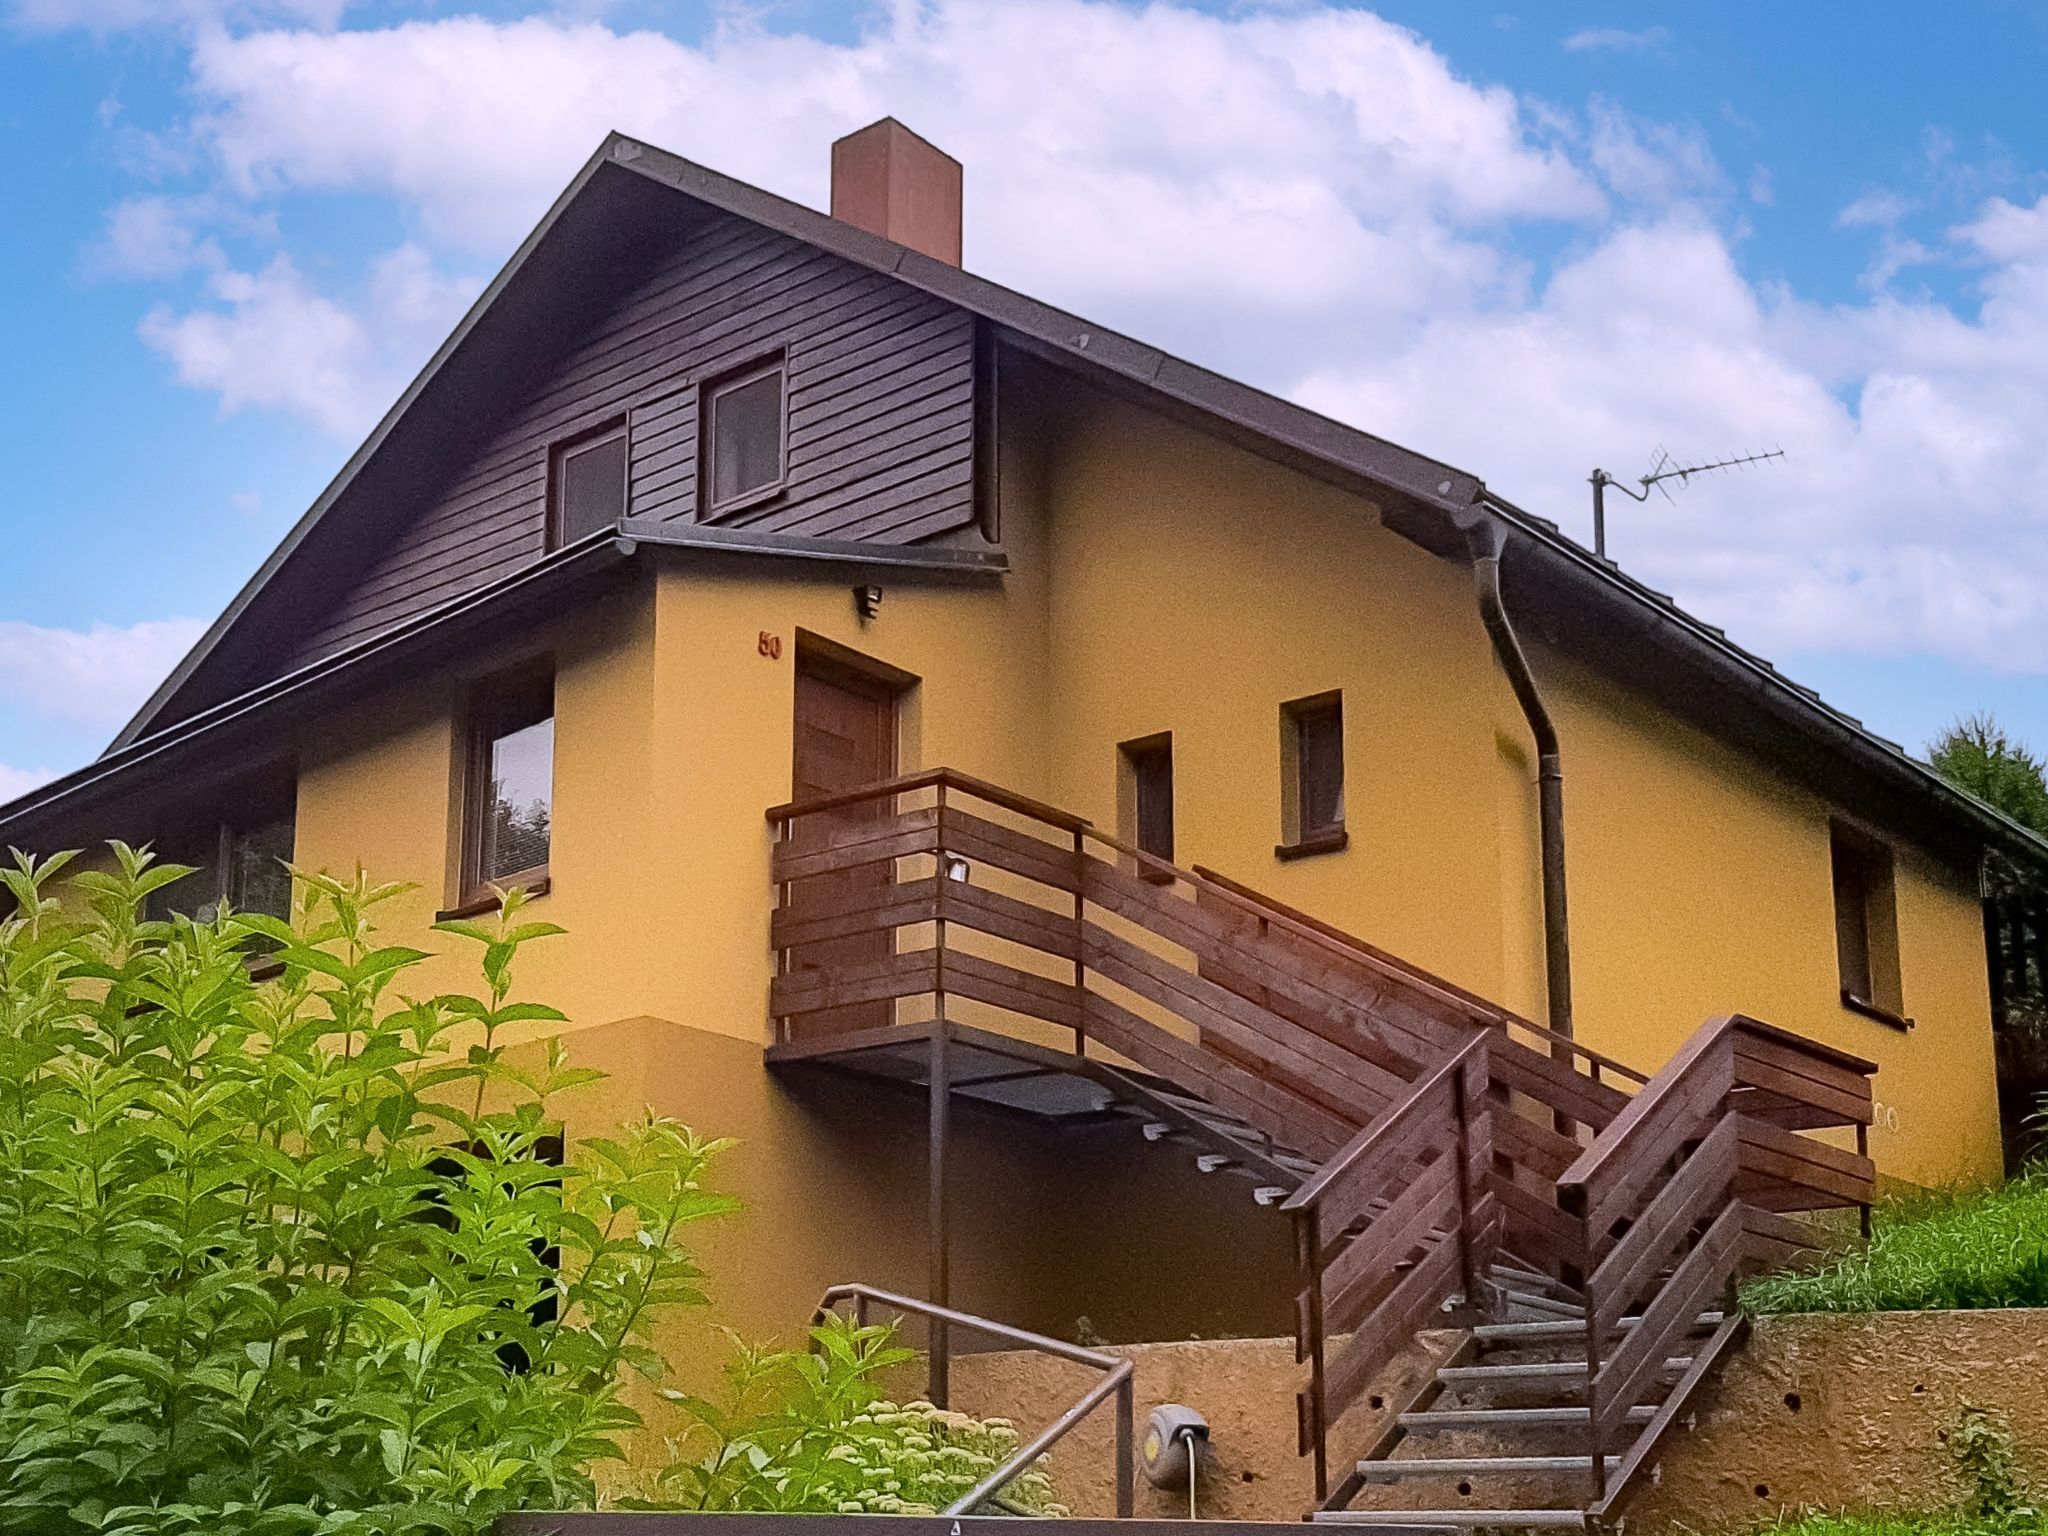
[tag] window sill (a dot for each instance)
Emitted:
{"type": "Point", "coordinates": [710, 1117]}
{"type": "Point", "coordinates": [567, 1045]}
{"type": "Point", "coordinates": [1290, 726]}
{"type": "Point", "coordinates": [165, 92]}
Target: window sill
{"type": "Point", "coordinates": [1870, 1010]}
{"type": "Point", "coordinates": [718, 512]}
{"type": "Point", "coordinates": [476, 906]}
{"type": "Point", "coordinates": [1331, 840]}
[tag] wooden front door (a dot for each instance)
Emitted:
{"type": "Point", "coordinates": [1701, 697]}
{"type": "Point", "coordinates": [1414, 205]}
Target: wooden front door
{"type": "Point", "coordinates": [845, 736]}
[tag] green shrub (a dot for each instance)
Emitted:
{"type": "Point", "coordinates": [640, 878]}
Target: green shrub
{"type": "Point", "coordinates": [809, 1431]}
{"type": "Point", "coordinates": [1964, 1249]}
{"type": "Point", "coordinates": [284, 1257]}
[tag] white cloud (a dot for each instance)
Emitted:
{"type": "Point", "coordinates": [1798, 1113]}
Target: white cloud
{"type": "Point", "coordinates": [96, 676]}
{"type": "Point", "coordinates": [155, 237]}
{"type": "Point", "coordinates": [1616, 40]}
{"type": "Point", "coordinates": [1306, 195]}
{"type": "Point", "coordinates": [1876, 209]}
{"type": "Point", "coordinates": [270, 339]}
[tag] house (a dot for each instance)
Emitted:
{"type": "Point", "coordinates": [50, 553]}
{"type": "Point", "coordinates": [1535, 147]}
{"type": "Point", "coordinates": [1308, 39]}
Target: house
{"type": "Point", "coordinates": [714, 504]}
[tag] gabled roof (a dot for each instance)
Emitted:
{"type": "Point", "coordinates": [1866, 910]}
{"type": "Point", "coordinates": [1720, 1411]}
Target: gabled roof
{"type": "Point", "coordinates": [1586, 604]}
{"type": "Point", "coordinates": [1265, 421]}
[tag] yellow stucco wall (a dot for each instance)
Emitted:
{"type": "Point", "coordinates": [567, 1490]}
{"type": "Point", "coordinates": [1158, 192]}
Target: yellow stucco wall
{"type": "Point", "coordinates": [1161, 581]}
{"type": "Point", "coordinates": [1196, 588]}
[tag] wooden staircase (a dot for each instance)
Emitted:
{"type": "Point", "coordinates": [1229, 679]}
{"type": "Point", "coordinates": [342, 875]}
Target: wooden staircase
{"type": "Point", "coordinates": [1444, 1162]}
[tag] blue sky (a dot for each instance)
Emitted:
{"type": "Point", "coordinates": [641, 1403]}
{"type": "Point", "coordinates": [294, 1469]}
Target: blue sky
{"type": "Point", "coordinates": [1527, 239]}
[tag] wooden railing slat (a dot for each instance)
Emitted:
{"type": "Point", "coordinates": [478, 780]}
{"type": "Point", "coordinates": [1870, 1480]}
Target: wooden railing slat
{"type": "Point", "coordinates": [1367, 1266]}
{"type": "Point", "coordinates": [1229, 1088]}
{"type": "Point", "coordinates": [906, 975]}
{"type": "Point", "coordinates": [1391, 1327]}
{"type": "Point", "coordinates": [1667, 1320]}
{"type": "Point", "coordinates": [1631, 1263]}
{"type": "Point", "coordinates": [884, 906]}
{"type": "Point", "coordinates": [1307, 1059]}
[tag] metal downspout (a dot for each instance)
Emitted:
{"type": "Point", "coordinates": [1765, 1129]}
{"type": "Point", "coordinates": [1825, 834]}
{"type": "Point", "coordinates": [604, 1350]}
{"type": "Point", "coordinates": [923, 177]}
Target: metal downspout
{"type": "Point", "coordinates": [1483, 537]}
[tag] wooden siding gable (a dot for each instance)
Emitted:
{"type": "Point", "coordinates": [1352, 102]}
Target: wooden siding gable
{"type": "Point", "coordinates": [880, 422]}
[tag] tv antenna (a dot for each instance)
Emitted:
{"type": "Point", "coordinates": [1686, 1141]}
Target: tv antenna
{"type": "Point", "coordinates": [1662, 468]}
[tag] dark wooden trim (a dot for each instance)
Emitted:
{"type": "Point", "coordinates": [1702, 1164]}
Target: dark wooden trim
{"type": "Point", "coordinates": [562, 449]}
{"type": "Point", "coordinates": [473, 888]}
{"type": "Point", "coordinates": [988, 499]}
{"type": "Point", "coordinates": [709, 509]}
{"type": "Point", "coordinates": [534, 882]}
{"type": "Point", "coordinates": [1869, 1010]}
{"type": "Point", "coordinates": [1330, 840]}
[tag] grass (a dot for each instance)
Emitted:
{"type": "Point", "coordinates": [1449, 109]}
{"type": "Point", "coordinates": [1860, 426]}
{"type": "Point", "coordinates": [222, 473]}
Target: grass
{"type": "Point", "coordinates": [1944, 1523]}
{"type": "Point", "coordinates": [1956, 1249]}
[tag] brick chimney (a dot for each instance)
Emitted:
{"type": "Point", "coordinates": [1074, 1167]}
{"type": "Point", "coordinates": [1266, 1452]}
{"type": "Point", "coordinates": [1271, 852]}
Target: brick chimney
{"type": "Point", "coordinates": [889, 182]}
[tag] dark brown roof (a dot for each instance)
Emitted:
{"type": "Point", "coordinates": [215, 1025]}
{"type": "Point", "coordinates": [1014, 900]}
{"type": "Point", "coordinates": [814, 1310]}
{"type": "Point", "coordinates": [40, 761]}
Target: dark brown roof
{"type": "Point", "coordinates": [1583, 603]}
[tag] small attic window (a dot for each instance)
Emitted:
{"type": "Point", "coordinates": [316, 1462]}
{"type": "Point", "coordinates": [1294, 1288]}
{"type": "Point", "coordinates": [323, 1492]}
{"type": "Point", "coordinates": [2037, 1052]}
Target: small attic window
{"type": "Point", "coordinates": [743, 419]}
{"type": "Point", "coordinates": [586, 484]}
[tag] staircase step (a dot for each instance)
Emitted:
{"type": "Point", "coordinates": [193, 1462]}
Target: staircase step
{"type": "Point", "coordinates": [1516, 1277]}
{"type": "Point", "coordinates": [1537, 1373]}
{"type": "Point", "coordinates": [1545, 1304]}
{"type": "Point", "coordinates": [1457, 1519]}
{"type": "Point", "coordinates": [1437, 1421]}
{"type": "Point", "coordinates": [1563, 1328]}
{"type": "Point", "coordinates": [1476, 1466]}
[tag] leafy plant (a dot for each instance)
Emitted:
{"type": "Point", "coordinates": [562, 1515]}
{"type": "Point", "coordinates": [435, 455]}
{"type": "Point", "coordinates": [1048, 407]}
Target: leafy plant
{"type": "Point", "coordinates": [1983, 1449]}
{"type": "Point", "coordinates": [1949, 1249]}
{"type": "Point", "coordinates": [810, 1431]}
{"type": "Point", "coordinates": [284, 1257]}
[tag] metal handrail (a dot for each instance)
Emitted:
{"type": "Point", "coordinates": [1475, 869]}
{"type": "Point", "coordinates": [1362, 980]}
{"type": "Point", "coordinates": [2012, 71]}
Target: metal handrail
{"type": "Point", "coordinates": [1116, 1381]}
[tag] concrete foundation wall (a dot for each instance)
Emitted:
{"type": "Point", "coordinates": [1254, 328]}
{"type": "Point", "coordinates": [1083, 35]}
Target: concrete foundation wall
{"type": "Point", "coordinates": [1813, 1413]}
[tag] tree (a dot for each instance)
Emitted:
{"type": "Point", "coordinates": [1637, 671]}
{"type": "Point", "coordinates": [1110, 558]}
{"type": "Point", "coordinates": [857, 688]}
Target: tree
{"type": "Point", "coordinates": [1976, 754]}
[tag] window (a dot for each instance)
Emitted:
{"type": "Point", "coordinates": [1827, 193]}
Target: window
{"type": "Point", "coordinates": [1866, 925]}
{"type": "Point", "coordinates": [241, 861]}
{"type": "Point", "coordinates": [586, 485]}
{"type": "Point", "coordinates": [1145, 795]}
{"type": "Point", "coordinates": [1312, 776]}
{"type": "Point", "coordinates": [508, 797]}
{"type": "Point", "coordinates": [742, 416]}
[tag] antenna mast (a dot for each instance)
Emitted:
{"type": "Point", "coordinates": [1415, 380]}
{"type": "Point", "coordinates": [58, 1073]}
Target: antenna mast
{"type": "Point", "coordinates": [1660, 471]}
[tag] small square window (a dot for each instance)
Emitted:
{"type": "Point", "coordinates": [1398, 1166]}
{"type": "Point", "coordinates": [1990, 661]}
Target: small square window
{"type": "Point", "coordinates": [587, 485]}
{"type": "Point", "coordinates": [1866, 923]}
{"type": "Point", "coordinates": [1312, 775]}
{"type": "Point", "coordinates": [743, 438]}
{"type": "Point", "coordinates": [510, 789]}
{"type": "Point", "coordinates": [1146, 796]}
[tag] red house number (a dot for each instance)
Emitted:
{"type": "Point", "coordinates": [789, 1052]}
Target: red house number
{"type": "Point", "coordinates": [771, 646]}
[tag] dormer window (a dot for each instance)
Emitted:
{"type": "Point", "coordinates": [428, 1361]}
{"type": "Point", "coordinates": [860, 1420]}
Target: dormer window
{"type": "Point", "coordinates": [743, 417]}
{"type": "Point", "coordinates": [586, 484]}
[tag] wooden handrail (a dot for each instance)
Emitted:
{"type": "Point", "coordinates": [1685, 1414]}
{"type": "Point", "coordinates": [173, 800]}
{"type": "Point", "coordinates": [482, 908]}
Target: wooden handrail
{"type": "Point", "coordinates": [1481, 1009]}
{"type": "Point", "coordinates": [1298, 925]}
{"type": "Point", "coordinates": [1383, 1128]}
{"type": "Point", "coordinates": [1665, 1174]}
{"type": "Point", "coordinates": [932, 778]}
{"type": "Point", "coordinates": [1611, 1147]}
